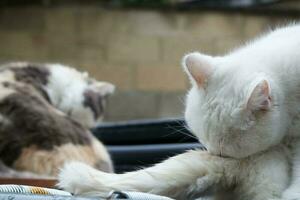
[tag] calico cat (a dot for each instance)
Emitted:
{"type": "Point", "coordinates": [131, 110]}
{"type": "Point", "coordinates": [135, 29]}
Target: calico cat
{"type": "Point", "coordinates": [45, 113]}
{"type": "Point", "coordinates": [74, 93]}
{"type": "Point", "coordinates": [244, 107]}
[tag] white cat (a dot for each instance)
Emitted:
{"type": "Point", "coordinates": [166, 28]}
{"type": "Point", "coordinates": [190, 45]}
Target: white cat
{"type": "Point", "coordinates": [244, 107]}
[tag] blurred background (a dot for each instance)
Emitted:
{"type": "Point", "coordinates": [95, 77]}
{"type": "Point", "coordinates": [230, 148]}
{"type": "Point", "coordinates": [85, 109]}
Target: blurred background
{"type": "Point", "coordinates": [136, 45]}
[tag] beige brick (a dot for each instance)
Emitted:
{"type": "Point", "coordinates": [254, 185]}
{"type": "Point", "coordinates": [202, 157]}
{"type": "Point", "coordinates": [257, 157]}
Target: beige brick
{"type": "Point", "coordinates": [153, 23]}
{"type": "Point", "coordinates": [91, 54]}
{"type": "Point", "coordinates": [93, 26]}
{"type": "Point", "coordinates": [61, 35]}
{"type": "Point", "coordinates": [22, 45]}
{"type": "Point", "coordinates": [63, 53]}
{"type": "Point", "coordinates": [160, 78]}
{"type": "Point", "coordinates": [255, 26]}
{"type": "Point", "coordinates": [22, 18]}
{"type": "Point", "coordinates": [174, 48]}
{"type": "Point", "coordinates": [171, 104]}
{"type": "Point", "coordinates": [96, 25]}
{"type": "Point", "coordinates": [130, 48]}
{"type": "Point", "coordinates": [120, 76]}
{"type": "Point", "coordinates": [129, 105]}
{"type": "Point", "coordinates": [61, 20]}
{"type": "Point", "coordinates": [213, 25]}
{"type": "Point", "coordinates": [227, 44]}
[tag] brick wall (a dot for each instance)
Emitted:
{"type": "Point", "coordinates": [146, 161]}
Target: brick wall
{"type": "Point", "coordinates": [138, 51]}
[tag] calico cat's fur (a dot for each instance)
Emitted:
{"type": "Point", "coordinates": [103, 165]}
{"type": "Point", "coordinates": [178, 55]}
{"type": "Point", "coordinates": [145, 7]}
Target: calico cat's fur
{"type": "Point", "coordinates": [244, 107]}
{"type": "Point", "coordinates": [45, 113]}
{"type": "Point", "coordinates": [7, 172]}
{"type": "Point", "coordinates": [74, 93]}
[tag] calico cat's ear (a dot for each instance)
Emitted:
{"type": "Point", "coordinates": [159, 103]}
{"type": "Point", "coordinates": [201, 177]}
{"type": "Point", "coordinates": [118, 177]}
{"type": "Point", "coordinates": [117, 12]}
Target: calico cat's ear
{"type": "Point", "coordinates": [198, 67]}
{"type": "Point", "coordinates": [95, 97]}
{"type": "Point", "coordinates": [102, 88]}
{"type": "Point", "coordinates": [260, 97]}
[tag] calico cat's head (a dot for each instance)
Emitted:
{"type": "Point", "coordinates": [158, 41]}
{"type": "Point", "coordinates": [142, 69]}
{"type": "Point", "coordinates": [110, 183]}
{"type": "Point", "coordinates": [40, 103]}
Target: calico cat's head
{"type": "Point", "coordinates": [234, 111]}
{"type": "Point", "coordinates": [77, 94]}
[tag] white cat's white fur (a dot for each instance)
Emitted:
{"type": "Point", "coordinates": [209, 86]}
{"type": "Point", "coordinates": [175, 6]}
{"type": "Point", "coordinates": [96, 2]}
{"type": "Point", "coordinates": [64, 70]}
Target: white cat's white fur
{"type": "Point", "coordinates": [66, 87]}
{"type": "Point", "coordinates": [189, 176]}
{"type": "Point", "coordinates": [244, 107]}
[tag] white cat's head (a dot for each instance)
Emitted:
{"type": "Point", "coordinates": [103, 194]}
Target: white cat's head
{"type": "Point", "coordinates": [233, 111]}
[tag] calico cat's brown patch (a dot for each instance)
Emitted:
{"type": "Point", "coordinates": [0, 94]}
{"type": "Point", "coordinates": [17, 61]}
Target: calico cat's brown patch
{"type": "Point", "coordinates": [31, 74]}
{"type": "Point", "coordinates": [95, 102]}
{"type": "Point", "coordinates": [37, 160]}
{"type": "Point", "coordinates": [8, 172]}
{"type": "Point", "coordinates": [38, 126]}
{"type": "Point", "coordinates": [34, 75]}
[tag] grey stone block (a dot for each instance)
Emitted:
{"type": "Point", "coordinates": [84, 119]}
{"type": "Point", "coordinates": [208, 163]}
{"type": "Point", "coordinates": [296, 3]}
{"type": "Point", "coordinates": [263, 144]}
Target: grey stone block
{"type": "Point", "coordinates": [171, 105]}
{"type": "Point", "coordinates": [131, 105]}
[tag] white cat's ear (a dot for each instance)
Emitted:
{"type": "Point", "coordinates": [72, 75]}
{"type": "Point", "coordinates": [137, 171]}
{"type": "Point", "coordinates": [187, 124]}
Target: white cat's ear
{"type": "Point", "coordinates": [260, 97]}
{"type": "Point", "coordinates": [198, 67]}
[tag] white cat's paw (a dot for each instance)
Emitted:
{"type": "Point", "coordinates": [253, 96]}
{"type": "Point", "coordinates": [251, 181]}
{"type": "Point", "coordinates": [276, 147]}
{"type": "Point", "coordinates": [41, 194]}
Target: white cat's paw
{"type": "Point", "coordinates": [72, 175]}
{"type": "Point", "coordinates": [79, 178]}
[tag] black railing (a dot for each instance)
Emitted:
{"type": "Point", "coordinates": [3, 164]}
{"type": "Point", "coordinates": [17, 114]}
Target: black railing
{"type": "Point", "coordinates": [141, 143]}
{"type": "Point", "coordinates": [144, 132]}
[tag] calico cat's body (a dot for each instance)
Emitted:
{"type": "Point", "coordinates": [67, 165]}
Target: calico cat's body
{"type": "Point", "coordinates": [44, 120]}
{"type": "Point", "coordinates": [244, 107]}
